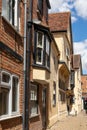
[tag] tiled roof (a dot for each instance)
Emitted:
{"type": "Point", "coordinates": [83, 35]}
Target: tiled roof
{"type": "Point", "coordinates": [59, 21]}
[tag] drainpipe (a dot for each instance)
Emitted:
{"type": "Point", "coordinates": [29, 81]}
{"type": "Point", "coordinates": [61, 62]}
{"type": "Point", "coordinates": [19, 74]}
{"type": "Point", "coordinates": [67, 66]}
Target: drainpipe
{"type": "Point", "coordinates": [25, 74]}
{"type": "Point", "coordinates": [27, 61]}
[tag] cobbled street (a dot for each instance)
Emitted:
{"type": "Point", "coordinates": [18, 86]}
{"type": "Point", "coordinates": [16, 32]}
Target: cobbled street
{"type": "Point", "coordinates": [78, 122]}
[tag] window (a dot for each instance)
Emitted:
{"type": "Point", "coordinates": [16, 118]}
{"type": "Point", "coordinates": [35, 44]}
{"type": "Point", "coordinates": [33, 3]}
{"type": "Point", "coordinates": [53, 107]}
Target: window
{"type": "Point", "coordinates": [47, 53]}
{"type": "Point", "coordinates": [4, 101]}
{"type": "Point", "coordinates": [14, 93]}
{"type": "Point", "coordinates": [72, 80]}
{"type": "Point", "coordinates": [62, 89]}
{"type": "Point", "coordinates": [42, 49]}
{"type": "Point", "coordinates": [9, 86]}
{"type": "Point", "coordinates": [54, 93]}
{"type": "Point", "coordinates": [40, 6]}
{"type": "Point", "coordinates": [34, 100]}
{"type": "Point", "coordinates": [10, 10]}
{"type": "Point", "coordinates": [5, 78]}
{"type": "Point", "coordinates": [67, 51]}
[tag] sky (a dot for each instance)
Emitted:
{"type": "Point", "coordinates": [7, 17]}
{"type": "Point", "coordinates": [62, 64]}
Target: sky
{"type": "Point", "coordinates": [78, 9]}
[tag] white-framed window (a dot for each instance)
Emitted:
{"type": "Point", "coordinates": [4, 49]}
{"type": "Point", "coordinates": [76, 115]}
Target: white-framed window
{"type": "Point", "coordinates": [54, 93]}
{"type": "Point", "coordinates": [11, 11]}
{"type": "Point", "coordinates": [39, 48]}
{"type": "Point", "coordinates": [5, 78]}
{"type": "Point", "coordinates": [15, 89]}
{"type": "Point", "coordinates": [47, 52]}
{"type": "Point", "coordinates": [9, 94]}
{"type": "Point", "coordinates": [33, 100]}
{"type": "Point", "coordinates": [67, 52]}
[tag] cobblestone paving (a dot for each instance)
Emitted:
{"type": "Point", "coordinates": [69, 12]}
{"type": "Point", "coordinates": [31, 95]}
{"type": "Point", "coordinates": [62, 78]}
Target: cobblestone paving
{"type": "Point", "coordinates": [78, 122]}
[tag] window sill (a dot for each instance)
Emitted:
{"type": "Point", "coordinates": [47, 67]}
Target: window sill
{"type": "Point", "coordinates": [6, 117]}
{"type": "Point", "coordinates": [42, 67]}
{"type": "Point", "coordinates": [11, 26]}
{"type": "Point", "coordinates": [33, 116]}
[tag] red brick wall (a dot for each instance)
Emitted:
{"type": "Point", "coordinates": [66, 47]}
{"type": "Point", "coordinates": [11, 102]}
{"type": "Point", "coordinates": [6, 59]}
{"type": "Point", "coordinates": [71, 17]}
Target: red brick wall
{"type": "Point", "coordinates": [35, 14]}
{"type": "Point", "coordinates": [10, 37]}
{"type": "Point", "coordinates": [14, 40]}
{"type": "Point", "coordinates": [11, 124]}
{"type": "Point", "coordinates": [84, 84]}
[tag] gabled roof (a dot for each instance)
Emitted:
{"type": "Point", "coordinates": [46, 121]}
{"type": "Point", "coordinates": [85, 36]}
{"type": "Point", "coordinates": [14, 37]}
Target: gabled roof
{"type": "Point", "coordinates": [59, 21]}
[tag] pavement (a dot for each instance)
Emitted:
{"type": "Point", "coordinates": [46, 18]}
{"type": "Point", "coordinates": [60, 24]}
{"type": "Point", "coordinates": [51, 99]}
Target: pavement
{"type": "Point", "coordinates": [78, 122]}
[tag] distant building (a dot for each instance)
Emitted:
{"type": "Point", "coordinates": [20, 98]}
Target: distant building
{"type": "Point", "coordinates": [84, 89]}
{"type": "Point", "coordinates": [76, 106]}
{"type": "Point", "coordinates": [60, 25]}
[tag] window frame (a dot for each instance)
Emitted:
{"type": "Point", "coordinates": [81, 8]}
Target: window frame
{"type": "Point", "coordinates": [43, 63]}
{"type": "Point", "coordinates": [11, 12]}
{"type": "Point", "coordinates": [17, 94]}
{"type": "Point", "coordinates": [9, 87]}
{"type": "Point", "coordinates": [40, 47]}
{"type": "Point", "coordinates": [47, 53]}
{"type": "Point", "coordinates": [34, 100]}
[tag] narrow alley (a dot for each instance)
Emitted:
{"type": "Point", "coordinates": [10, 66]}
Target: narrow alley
{"type": "Point", "coordinates": [78, 122]}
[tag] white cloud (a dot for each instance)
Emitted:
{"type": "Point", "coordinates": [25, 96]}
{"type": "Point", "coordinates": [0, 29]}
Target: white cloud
{"type": "Point", "coordinates": [81, 48]}
{"type": "Point", "coordinates": [60, 5]}
{"type": "Point", "coordinates": [73, 19]}
{"type": "Point", "coordinates": [77, 7]}
{"type": "Point", "coordinates": [81, 8]}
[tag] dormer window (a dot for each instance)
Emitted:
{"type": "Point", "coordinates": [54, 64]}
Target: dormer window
{"type": "Point", "coordinates": [10, 11]}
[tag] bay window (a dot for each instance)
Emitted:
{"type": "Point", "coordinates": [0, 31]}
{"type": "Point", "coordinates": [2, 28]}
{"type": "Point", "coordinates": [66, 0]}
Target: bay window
{"type": "Point", "coordinates": [47, 52]}
{"type": "Point", "coordinates": [9, 87]}
{"type": "Point", "coordinates": [33, 100]}
{"type": "Point", "coordinates": [42, 49]}
{"type": "Point", "coordinates": [10, 10]}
